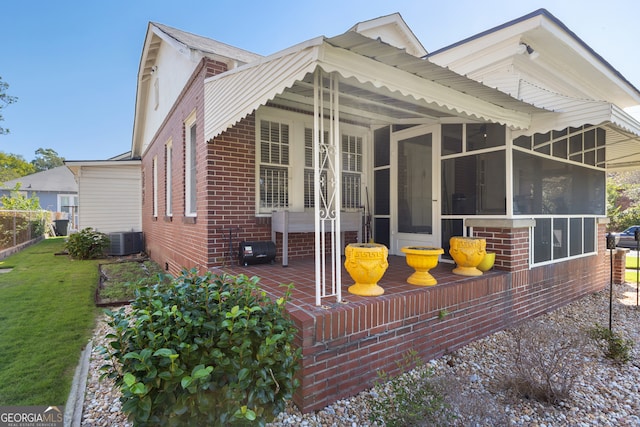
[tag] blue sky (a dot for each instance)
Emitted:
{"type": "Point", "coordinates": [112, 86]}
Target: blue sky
{"type": "Point", "coordinates": [73, 64]}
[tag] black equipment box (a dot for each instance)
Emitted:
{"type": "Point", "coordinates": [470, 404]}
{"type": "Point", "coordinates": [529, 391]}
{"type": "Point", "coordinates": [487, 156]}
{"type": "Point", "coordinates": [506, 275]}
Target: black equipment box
{"type": "Point", "coordinates": [257, 252]}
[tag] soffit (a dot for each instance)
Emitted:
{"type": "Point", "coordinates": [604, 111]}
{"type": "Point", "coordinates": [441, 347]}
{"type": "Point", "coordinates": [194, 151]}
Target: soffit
{"type": "Point", "coordinates": [623, 130]}
{"type": "Point", "coordinates": [562, 61]}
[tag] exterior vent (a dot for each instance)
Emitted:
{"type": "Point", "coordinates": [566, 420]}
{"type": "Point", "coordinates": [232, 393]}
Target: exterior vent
{"type": "Point", "coordinates": [126, 243]}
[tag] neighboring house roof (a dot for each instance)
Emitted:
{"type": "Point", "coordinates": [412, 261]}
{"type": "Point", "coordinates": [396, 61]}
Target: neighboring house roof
{"type": "Point", "coordinates": [59, 179]}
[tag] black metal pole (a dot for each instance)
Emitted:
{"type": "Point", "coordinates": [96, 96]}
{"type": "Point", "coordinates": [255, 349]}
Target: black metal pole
{"type": "Point", "coordinates": [636, 236]}
{"type": "Point", "coordinates": [611, 244]}
{"type": "Point", "coordinates": [611, 288]}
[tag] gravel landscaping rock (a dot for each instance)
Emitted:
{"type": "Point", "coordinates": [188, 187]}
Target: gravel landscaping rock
{"type": "Point", "coordinates": [605, 394]}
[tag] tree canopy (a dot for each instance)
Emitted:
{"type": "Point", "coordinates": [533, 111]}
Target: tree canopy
{"type": "Point", "coordinates": [14, 166]}
{"type": "Point", "coordinates": [5, 99]}
{"type": "Point", "coordinates": [46, 158]}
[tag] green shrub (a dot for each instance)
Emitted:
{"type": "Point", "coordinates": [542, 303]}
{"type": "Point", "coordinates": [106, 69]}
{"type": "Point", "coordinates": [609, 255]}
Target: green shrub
{"type": "Point", "coordinates": [208, 350]}
{"type": "Point", "coordinates": [613, 344]}
{"type": "Point", "coordinates": [87, 244]}
{"type": "Point", "coordinates": [409, 399]}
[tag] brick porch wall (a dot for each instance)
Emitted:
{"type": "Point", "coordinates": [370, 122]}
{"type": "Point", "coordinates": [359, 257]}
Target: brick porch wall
{"type": "Point", "coordinates": [511, 246]}
{"type": "Point", "coordinates": [345, 347]}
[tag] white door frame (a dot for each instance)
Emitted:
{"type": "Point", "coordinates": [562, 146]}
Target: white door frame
{"type": "Point", "coordinates": [398, 240]}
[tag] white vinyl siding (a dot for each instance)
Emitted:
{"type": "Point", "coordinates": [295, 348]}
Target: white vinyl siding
{"type": "Point", "coordinates": [110, 198]}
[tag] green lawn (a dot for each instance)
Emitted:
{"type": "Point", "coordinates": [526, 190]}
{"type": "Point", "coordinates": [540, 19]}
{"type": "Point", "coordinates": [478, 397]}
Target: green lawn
{"type": "Point", "coordinates": [47, 314]}
{"type": "Point", "coordinates": [631, 261]}
{"type": "Point", "coordinates": [631, 264]}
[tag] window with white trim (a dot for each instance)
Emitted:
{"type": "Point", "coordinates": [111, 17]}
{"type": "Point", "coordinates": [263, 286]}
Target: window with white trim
{"type": "Point", "coordinates": [274, 165]}
{"type": "Point", "coordinates": [351, 171]}
{"type": "Point", "coordinates": [155, 186]}
{"type": "Point", "coordinates": [168, 192]}
{"type": "Point", "coordinates": [351, 154]}
{"type": "Point", "coordinates": [190, 164]}
{"type": "Point", "coordinates": [68, 203]}
{"type": "Point", "coordinates": [284, 169]}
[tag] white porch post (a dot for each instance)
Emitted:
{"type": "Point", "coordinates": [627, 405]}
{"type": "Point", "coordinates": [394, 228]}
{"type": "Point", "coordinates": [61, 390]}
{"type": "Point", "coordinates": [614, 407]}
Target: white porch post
{"type": "Point", "coordinates": [327, 189]}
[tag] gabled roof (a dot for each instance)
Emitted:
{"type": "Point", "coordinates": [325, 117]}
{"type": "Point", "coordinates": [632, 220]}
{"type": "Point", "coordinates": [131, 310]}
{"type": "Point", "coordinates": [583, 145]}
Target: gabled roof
{"type": "Point", "coordinates": [59, 179]}
{"type": "Point", "coordinates": [393, 30]}
{"type": "Point", "coordinates": [189, 43]}
{"type": "Point", "coordinates": [193, 48]}
{"type": "Point", "coordinates": [558, 50]}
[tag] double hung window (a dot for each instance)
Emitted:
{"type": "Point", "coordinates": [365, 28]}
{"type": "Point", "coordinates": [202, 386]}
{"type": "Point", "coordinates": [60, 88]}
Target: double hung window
{"type": "Point", "coordinates": [190, 163]}
{"type": "Point", "coordinates": [274, 165]}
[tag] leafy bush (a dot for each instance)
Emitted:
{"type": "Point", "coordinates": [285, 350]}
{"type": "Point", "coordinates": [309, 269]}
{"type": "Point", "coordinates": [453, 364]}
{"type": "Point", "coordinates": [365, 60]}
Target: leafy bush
{"type": "Point", "coordinates": [613, 344]}
{"type": "Point", "coordinates": [87, 244]}
{"type": "Point", "coordinates": [208, 350]}
{"type": "Point", "coordinates": [409, 399]}
{"type": "Point", "coordinates": [546, 361]}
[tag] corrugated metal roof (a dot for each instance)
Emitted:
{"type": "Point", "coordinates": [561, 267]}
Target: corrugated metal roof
{"type": "Point", "coordinates": [427, 70]}
{"type": "Point", "coordinates": [396, 88]}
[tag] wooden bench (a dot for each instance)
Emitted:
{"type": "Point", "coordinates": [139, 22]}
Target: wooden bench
{"type": "Point", "coordinates": [286, 222]}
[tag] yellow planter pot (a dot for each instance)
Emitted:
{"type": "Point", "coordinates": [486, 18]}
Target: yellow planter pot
{"type": "Point", "coordinates": [467, 252]}
{"type": "Point", "coordinates": [487, 262]}
{"type": "Point", "coordinates": [366, 263]}
{"type": "Point", "coordinates": [422, 259]}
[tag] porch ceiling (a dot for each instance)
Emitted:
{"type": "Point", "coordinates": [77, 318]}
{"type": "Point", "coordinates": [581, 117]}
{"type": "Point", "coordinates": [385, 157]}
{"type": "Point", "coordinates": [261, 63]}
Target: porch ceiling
{"type": "Point", "coordinates": [361, 103]}
{"type": "Point", "coordinates": [378, 84]}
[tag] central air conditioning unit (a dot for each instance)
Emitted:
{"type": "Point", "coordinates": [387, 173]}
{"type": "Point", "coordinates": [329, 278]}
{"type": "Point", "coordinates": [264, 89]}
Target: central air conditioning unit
{"type": "Point", "coordinates": [126, 243]}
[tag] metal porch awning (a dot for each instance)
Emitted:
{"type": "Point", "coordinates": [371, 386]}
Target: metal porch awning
{"type": "Point", "coordinates": [379, 83]}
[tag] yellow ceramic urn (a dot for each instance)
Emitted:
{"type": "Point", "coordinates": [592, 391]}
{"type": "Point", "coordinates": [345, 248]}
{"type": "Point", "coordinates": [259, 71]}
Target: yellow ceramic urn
{"type": "Point", "coordinates": [422, 259]}
{"type": "Point", "coordinates": [467, 252]}
{"type": "Point", "coordinates": [366, 263]}
{"type": "Point", "coordinates": [487, 262]}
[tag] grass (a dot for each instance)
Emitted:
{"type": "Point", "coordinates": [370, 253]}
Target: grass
{"type": "Point", "coordinates": [631, 261]}
{"type": "Point", "coordinates": [122, 278]}
{"type": "Point", "coordinates": [631, 272]}
{"type": "Point", "coordinates": [47, 315]}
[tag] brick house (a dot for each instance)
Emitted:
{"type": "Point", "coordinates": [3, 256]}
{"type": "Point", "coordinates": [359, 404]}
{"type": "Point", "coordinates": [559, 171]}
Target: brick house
{"type": "Point", "coordinates": [226, 138]}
